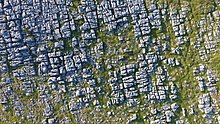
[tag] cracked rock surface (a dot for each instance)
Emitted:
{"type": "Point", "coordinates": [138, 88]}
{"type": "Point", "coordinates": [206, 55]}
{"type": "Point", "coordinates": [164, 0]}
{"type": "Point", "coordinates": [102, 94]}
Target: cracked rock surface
{"type": "Point", "coordinates": [109, 61]}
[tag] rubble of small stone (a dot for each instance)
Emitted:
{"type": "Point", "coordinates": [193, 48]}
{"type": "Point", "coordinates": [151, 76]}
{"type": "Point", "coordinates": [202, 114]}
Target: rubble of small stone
{"type": "Point", "coordinates": [109, 61]}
